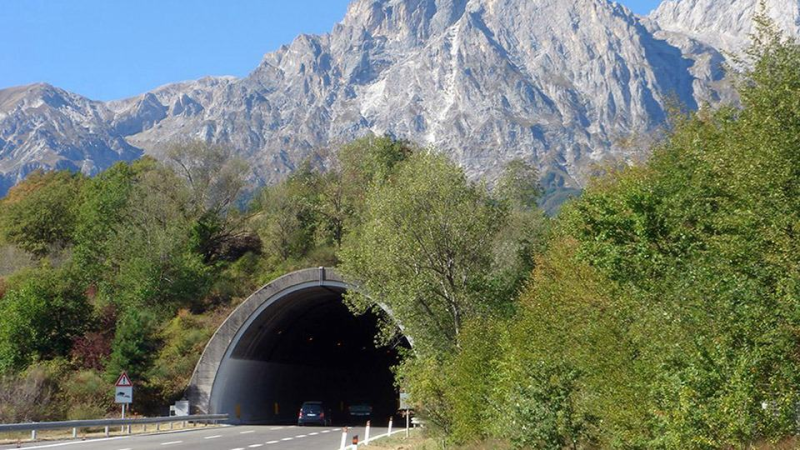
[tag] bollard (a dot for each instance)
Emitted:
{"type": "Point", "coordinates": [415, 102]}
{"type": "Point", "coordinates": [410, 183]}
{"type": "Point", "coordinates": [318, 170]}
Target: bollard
{"type": "Point", "coordinates": [33, 435]}
{"type": "Point", "coordinates": [74, 433]}
{"type": "Point", "coordinates": [390, 427]}
{"type": "Point", "coordinates": [184, 424]}
{"type": "Point", "coordinates": [344, 438]}
{"type": "Point", "coordinates": [129, 429]}
{"type": "Point", "coordinates": [171, 424]}
{"type": "Point", "coordinates": [366, 435]}
{"type": "Point", "coordinates": [106, 430]}
{"type": "Point", "coordinates": [144, 428]}
{"type": "Point", "coordinates": [158, 427]}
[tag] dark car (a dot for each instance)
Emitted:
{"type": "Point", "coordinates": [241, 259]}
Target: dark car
{"type": "Point", "coordinates": [314, 413]}
{"type": "Point", "coordinates": [360, 410]}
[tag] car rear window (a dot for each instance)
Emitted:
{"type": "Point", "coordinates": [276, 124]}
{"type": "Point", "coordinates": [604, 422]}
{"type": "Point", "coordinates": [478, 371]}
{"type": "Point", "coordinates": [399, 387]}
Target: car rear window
{"type": "Point", "coordinates": [312, 408]}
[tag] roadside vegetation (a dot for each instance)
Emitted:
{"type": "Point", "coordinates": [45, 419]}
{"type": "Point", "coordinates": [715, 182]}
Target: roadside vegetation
{"type": "Point", "coordinates": [658, 310]}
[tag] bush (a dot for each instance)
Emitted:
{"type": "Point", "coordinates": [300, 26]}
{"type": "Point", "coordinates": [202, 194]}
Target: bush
{"type": "Point", "coordinates": [39, 318]}
{"type": "Point", "coordinates": [31, 395]}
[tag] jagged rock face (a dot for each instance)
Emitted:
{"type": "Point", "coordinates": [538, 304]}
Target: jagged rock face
{"type": "Point", "coordinates": [42, 127]}
{"type": "Point", "coordinates": [724, 24]}
{"type": "Point", "coordinates": [556, 82]}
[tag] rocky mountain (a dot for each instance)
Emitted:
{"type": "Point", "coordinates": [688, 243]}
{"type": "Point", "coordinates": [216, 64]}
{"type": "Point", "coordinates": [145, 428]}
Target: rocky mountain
{"type": "Point", "coordinates": [725, 25]}
{"type": "Point", "coordinates": [559, 83]}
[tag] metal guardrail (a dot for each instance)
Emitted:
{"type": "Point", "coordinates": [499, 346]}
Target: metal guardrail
{"type": "Point", "coordinates": [76, 424]}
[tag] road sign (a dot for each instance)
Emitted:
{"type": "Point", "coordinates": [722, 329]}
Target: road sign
{"type": "Point", "coordinates": [124, 389]}
{"type": "Point", "coordinates": [124, 394]}
{"type": "Point", "coordinates": [123, 381]}
{"type": "Point", "coordinates": [405, 401]}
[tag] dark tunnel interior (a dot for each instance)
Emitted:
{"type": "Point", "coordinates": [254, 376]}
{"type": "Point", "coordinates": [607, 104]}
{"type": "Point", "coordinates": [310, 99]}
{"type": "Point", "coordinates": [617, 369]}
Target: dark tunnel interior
{"type": "Point", "coordinates": [308, 346]}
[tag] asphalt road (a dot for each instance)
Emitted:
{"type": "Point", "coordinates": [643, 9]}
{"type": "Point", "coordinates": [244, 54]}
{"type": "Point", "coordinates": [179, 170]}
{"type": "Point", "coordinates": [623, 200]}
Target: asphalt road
{"type": "Point", "coordinates": [221, 438]}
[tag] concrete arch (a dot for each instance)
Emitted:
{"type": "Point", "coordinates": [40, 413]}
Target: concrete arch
{"type": "Point", "coordinates": [251, 371]}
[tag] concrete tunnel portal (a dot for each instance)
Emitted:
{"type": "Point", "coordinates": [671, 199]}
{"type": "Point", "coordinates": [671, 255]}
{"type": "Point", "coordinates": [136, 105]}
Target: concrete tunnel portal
{"type": "Point", "coordinates": [294, 340]}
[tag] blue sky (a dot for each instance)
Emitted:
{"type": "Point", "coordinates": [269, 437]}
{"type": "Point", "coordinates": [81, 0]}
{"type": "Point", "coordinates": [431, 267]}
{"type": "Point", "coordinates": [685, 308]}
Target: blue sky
{"type": "Point", "coordinates": [110, 49]}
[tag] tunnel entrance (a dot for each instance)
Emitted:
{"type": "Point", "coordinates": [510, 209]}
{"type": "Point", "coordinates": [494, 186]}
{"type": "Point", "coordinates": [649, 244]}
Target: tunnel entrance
{"type": "Point", "coordinates": [293, 341]}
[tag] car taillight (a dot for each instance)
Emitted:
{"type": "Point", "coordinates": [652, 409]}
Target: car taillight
{"type": "Point", "coordinates": [322, 415]}
{"type": "Point", "coordinates": [300, 414]}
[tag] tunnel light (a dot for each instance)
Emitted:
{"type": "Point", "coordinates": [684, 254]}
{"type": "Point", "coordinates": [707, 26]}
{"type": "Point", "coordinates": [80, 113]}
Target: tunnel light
{"type": "Point", "coordinates": [338, 344]}
{"type": "Point", "coordinates": [310, 338]}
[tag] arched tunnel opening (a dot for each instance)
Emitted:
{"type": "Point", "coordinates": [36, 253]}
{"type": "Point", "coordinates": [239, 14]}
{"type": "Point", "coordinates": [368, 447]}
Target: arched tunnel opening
{"type": "Point", "coordinates": [306, 345]}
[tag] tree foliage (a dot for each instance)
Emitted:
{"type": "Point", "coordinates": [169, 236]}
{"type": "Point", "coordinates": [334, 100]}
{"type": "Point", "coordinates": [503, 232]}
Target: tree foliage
{"type": "Point", "coordinates": [425, 250]}
{"type": "Point", "coordinates": [40, 318]}
{"type": "Point", "coordinates": [38, 215]}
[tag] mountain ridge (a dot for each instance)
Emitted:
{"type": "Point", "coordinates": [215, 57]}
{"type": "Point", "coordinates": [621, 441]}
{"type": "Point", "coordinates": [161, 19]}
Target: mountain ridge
{"type": "Point", "coordinates": [558, 83]}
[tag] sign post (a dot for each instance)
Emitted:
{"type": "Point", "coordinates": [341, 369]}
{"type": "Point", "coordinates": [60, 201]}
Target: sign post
{"type": "Point", "coordinates": [124, 392]}
{"type": "Point", "coordinates": [404, 404]}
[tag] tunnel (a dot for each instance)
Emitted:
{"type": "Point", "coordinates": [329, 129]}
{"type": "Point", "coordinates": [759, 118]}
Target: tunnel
{"type": "Point", "coordinates": [292, 341]}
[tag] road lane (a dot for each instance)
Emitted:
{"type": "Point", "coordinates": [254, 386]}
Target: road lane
{"type": "Point", "coordinates": [225, 438]}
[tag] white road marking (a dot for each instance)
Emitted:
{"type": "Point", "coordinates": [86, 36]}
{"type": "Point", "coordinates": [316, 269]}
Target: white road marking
{"type": "Point", "coordinates": [256, 445]}
{"type": "Point", "coordinates": [171, 442]}
{"type": "Point", "coordinates": [237, 448]}
{"type": "Point", "coordinates": [213, 437]}
{"type": "Point", "coordinates": [301, 435]}
{"type": "Point", "coordinates": [273, 442]}
{"type": "Point", "coordinates": [247, 432]}
{"type": "Point", "coordinates": [313, 434]}
{"type": "Point", "coordinates": [287, 439]}
{"type": "Point", "coordinates": [277, 428]}
{"type": "Point", "coordinates": [64, 444]}
{"type": "Point", "coordinates": [326, 431]}
{"type": "Point", "coordinates": [124, 449]}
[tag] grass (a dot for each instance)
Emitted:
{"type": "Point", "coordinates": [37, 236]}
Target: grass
{"type": "Point", "coordinates": [419, 440]}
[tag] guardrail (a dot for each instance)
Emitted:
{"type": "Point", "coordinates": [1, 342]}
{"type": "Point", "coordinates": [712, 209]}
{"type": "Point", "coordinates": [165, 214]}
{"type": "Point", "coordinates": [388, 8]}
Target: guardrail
{"type": "Point", "coordinates": [33, 427]}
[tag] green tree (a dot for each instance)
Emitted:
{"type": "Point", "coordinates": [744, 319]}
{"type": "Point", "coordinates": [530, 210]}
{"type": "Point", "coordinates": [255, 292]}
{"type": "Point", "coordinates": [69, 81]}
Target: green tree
{"type": "Point", "coordinates": [134, 347]}
{"type": "Point", "coordinates": [425, 250]}
{"type": "Point", "coordinates": [519, 185]}
{"type": "Point", "coordinates": [39, 318]}
{"type": "Point", "coordinates": [38, 215]}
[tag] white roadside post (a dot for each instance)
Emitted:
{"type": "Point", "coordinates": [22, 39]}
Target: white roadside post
{"type": "Point", "coordinates": [390, 426]}
{"type": "Point", "coordinates": [344, 438]}
{"type": "Point", "coordinates": [123, 395]}
{"type": "Point", "coordinates": [366, 435]}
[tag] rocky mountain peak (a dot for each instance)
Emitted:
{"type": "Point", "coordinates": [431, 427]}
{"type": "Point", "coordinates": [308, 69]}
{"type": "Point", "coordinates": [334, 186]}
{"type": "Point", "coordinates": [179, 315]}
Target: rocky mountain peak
{"type": "Point", "coordinates": [555, 82]}
{"type": "Point", "coordinates": [724, 24]}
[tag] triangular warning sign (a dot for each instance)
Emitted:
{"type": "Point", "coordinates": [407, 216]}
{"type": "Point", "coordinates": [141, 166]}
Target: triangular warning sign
{"type": "Point", "coordinates": [123, 380]}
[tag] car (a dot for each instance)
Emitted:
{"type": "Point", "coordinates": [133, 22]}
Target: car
{"type": "Point", "coordinates": [314, 413]}
{"type": "Point", "coordinates": [360, 410]}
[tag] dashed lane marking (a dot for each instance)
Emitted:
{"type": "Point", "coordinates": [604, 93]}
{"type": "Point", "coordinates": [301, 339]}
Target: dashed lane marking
{"type": "Point", "coordinates": [256, 445]}
{"type": "Point", "coordinates": [171, 442]}
{"type": "Point", "coordinates": [301, 436]}
{"type": "Point", "coordinates": [287, 439]}
{"type": "Point", "coordinates": [272, 442]}
{"type": "Point", "coordinates": [314, 433]}
{"type": "Point", "coordinates": [213, 437]}
{"type": "Point", "coordinates": [247, 432]}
